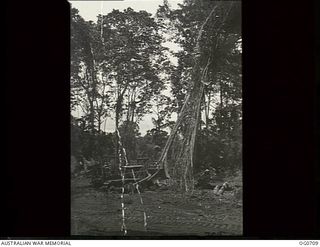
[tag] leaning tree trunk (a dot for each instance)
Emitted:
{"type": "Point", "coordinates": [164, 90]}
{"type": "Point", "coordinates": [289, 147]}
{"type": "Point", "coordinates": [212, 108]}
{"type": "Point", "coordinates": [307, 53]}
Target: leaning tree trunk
{"type": "Point", "coordinates": [189, 118]}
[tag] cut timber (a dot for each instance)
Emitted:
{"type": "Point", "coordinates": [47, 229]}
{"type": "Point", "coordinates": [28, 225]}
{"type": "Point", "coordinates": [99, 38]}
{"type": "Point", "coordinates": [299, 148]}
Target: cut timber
{"type": "Point", "coordinates": [133, 166]}
{"type": "Point", "coordinates": [118, 180]}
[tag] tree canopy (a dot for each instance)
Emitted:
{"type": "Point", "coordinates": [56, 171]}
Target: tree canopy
{"type": "Point", "coordinates": [121, 70]}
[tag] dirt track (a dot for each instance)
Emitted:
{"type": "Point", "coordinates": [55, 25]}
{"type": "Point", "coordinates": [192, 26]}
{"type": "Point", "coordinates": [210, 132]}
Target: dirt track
{"type": "Point", "coordinates": [97, 213]}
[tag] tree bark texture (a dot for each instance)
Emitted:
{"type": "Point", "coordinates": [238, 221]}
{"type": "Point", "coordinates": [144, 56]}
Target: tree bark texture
{"type": "Point", "coordinates": [189, 116]}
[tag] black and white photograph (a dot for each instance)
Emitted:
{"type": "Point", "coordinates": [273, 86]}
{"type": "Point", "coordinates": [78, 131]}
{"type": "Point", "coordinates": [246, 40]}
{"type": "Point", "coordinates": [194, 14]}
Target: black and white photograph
{"type": "Point", "coordinates": [160, 120]}
{"type": "Point", "coordinates": [156, 118]}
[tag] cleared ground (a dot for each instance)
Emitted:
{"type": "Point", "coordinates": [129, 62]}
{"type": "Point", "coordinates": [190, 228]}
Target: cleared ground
{"type": "Point", "coordinates": [98, 213]}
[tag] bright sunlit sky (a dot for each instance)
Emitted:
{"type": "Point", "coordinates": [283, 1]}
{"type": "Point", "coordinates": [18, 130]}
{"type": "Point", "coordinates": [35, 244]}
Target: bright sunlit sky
{"type": "Point", "coordinates": [89, 10]}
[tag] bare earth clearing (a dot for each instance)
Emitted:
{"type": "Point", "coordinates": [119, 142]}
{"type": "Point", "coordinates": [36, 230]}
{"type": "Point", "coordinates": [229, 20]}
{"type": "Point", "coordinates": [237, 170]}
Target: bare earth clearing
{"type": "Point", "coordinates": [98, 213]}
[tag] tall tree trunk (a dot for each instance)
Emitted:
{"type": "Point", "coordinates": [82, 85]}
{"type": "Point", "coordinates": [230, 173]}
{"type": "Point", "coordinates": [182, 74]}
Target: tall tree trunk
{"type": "Point", "coordinates": [207, 109]}
{"type": "Point", "coordinates": [118, 111]}
{"type": "Point", "coordinates": [221, 94]}
{"type": "Point", "coordinates": [99, 123]}
{"type": "Point", "coordinates": [92, 130]}
{"type": "Point", "coordinates": [132, 114]}
{"type": "Point", "coordinates": [189, 116]}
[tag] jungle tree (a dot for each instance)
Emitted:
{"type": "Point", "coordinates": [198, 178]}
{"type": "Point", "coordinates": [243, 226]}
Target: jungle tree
{"type": "Point", "coordinates": [134, 52]}
{"type": "Point", "coordinates": [207, 33]}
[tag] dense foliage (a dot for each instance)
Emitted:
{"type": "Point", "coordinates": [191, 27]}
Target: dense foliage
{"type": "Point", "coordinates": [120, 70]}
